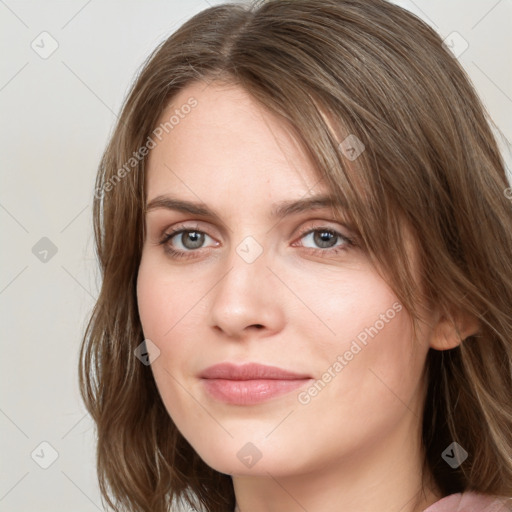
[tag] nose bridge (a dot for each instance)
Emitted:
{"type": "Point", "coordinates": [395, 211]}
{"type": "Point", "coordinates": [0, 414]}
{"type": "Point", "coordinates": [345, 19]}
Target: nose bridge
{"type": "Point", "coordinates": [248, 273]}
{"type": "Point", "coordinates": [245, 295]}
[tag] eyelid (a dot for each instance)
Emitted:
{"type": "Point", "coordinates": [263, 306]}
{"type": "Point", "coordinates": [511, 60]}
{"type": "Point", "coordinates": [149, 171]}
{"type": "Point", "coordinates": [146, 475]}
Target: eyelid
{"type": "Point", "coordinates": [187, 225]}
{"type": "Point", "coordinates": [306, 227]}
{"type": "Point", "coordinates": [318, 224]}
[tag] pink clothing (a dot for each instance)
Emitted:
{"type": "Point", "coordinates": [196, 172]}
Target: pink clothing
{"type": "Point", "coordinates": [471, 502]}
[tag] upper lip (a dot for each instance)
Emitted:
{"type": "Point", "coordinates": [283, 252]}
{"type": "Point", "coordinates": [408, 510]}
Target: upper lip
{"type": "Point", "coordinates": [249, 371]}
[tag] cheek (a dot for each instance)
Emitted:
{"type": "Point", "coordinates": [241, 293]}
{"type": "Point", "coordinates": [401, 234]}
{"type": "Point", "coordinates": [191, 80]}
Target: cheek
{"type": "Point", "coordinates": [164, 297]}
{"type": "Point", "coordinates": [151, 300]}
{"type": "Point", "coordinates": [171, 309]}
{"type": "Point", "coordinates": [347, 303]}
{"type": "Point", "coordinates": [163, 314]}
{"type": "Point", "coordinates": [366, 338]}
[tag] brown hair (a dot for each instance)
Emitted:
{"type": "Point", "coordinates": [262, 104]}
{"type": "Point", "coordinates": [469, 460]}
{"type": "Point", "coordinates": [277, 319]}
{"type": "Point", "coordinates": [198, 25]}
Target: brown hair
{"type": "Point", "coordinates": [430, 162]}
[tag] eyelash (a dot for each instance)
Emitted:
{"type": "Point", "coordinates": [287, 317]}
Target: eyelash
{"type": "Point", "coordinates": [348, 242]}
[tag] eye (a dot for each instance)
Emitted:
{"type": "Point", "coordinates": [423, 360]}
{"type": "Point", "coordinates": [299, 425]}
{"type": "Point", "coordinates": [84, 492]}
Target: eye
{"type": "Point", "coordinates": [181, 242]}
{"type": "Point", "coordinates": [187, 242]}
{"type": "Point", "coordinates": [324, 240]}
{"type": "Point", "coordinates": [188, 239]}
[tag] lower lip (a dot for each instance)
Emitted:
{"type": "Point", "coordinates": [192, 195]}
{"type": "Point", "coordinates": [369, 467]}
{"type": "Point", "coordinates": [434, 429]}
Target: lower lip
{"type": "Point", "coordinates": [248, 392]}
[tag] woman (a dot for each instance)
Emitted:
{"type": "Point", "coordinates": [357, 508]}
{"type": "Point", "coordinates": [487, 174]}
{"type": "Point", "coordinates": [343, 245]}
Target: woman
{"type": "Point", "coordinates": [305, 237]}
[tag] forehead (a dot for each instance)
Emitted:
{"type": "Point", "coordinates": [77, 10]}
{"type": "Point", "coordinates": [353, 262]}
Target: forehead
{"type": "Point", "coordinates": [219, 142]}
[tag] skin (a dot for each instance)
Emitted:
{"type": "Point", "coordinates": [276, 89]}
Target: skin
{"type": "Point", "coordinates": [355, 446]}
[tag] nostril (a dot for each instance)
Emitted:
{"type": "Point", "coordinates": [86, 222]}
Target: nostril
{"type": "Point", "coordinates": [258, 326]}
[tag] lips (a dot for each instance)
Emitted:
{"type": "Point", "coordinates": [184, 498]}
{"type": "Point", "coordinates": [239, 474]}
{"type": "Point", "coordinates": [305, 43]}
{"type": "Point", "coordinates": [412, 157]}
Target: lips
{"type": "Point", "coordinates": [249, 371]}
{"type": "Point", "coordinates": [249, 383]}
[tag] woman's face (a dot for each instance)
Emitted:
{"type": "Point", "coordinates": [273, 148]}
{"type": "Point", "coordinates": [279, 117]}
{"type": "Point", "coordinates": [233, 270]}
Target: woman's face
{"type": "Point", "coordinates": [259, 275]}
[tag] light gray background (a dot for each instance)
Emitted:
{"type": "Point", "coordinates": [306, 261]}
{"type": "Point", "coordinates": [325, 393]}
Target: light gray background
{"type": "Point", "coordinates": [57, 114]}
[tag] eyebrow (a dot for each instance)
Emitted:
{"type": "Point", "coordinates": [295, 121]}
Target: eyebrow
{"type": "Point", "coordinates": [279, 210]}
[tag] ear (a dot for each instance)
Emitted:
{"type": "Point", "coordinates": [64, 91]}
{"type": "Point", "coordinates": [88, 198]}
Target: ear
{"type": "Point", "coordinates": [451, 330]}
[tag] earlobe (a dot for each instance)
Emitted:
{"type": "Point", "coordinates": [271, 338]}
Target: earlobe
{"type": "Point", "coordinates": [450, 332]}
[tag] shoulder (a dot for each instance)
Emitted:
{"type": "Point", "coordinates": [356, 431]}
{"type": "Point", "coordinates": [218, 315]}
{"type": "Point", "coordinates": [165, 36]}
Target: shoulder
{"type": "Point", "coordinates": [471, 502]}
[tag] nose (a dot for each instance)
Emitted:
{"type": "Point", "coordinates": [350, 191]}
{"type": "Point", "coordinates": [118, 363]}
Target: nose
{"type": "Point", "coordinates": [247, 300]}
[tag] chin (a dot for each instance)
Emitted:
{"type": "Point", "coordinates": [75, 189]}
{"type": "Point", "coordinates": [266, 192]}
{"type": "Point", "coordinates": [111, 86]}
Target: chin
{"type": "Point", "coordinates": [248, 458]}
